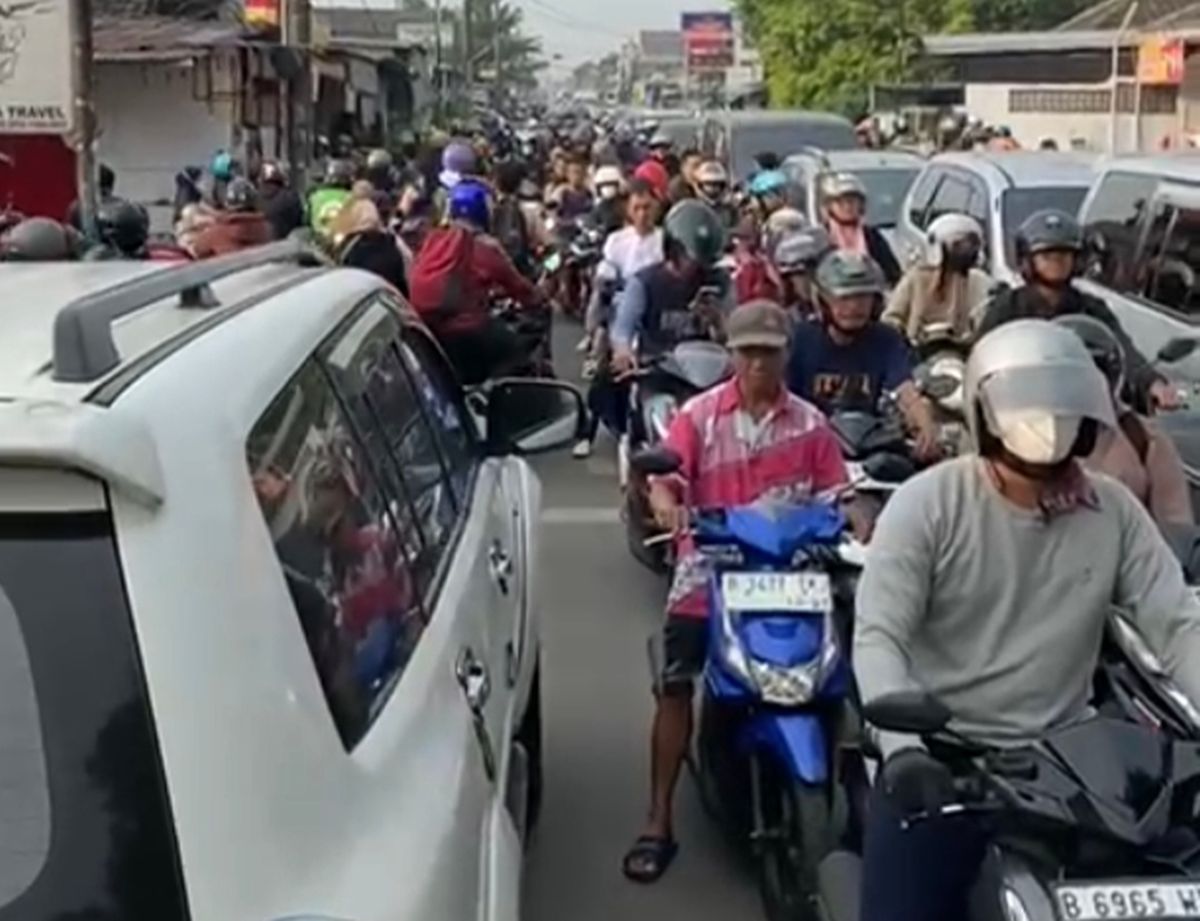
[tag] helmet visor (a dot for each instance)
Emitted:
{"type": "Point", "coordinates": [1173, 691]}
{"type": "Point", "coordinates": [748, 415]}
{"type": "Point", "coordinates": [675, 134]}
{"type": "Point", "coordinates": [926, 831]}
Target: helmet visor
{"type": "Point", "coordinates": [1059, 390]}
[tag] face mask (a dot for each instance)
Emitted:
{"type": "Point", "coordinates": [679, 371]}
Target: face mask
{"type": "Point", "coordinates": [1038, 437]}
{"type": "Point", "coordinates": [608, 192]}
{"type": "Point", "coordinates": [962, 260]}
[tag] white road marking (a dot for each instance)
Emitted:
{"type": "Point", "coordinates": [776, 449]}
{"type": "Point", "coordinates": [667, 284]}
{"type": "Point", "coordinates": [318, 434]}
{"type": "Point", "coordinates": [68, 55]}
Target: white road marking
{"type": "Point", "coordinates": [581, 515]}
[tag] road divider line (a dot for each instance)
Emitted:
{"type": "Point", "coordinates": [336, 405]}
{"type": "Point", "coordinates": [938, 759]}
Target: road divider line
{"type": "Point", "coordinates": [581, 515]}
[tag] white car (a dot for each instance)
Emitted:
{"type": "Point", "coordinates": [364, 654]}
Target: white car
{"type": "Point", "coordinates": [268, 646]}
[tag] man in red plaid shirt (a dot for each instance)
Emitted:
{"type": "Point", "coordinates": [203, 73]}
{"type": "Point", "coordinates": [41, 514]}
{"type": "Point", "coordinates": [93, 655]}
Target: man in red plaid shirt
{"type": "Point", "coordinates": [745, 440]}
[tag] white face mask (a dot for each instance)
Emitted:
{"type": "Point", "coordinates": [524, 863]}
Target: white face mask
{"type": "Point", "coordinates": [1038, 437]}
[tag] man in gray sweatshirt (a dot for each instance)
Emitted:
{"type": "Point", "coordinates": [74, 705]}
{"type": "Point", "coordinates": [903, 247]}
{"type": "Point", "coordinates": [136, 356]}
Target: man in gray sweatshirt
{"type": "Point", "coordinates": [988, 584]}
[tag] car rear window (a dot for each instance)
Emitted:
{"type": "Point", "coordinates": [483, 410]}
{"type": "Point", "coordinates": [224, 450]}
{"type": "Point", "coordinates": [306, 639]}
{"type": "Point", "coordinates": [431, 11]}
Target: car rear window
{"type": "Point", "coordinates": [886, 191]}
{"type": "Point", "coordinates": [1018, 205]}
{"type": "Point", "coordinates": [784, 139]}
{"type": "Point", "coordinates": [85, 826]}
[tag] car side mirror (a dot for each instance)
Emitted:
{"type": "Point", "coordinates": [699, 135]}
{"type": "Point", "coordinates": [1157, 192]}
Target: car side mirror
{"type": "Point", "coordinates": [531, 416]}
{"type": "Point", "coordinates": [1177, 349]}
{"type": "Point", "coordinates": [658, 461]}
{"type": "Point", "coordinates": [913, 712]}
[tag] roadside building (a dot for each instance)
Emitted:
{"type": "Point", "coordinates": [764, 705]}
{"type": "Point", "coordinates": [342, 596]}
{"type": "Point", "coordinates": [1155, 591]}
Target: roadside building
{"type": "Point", "coordinates": [1060, 84]}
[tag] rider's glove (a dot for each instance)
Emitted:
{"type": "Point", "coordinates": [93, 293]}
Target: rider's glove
{"type": "Point", "coordinates": [916, 782]}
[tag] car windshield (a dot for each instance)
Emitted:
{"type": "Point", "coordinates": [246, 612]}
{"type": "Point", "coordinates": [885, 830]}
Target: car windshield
{"type": "Point", "coordinates": [886, 189]}
{"type": "Point", "coordinates": [83, 807]}
{"type": "Point", "coordinates": [1018, 205]}
{"type": "Point", "coordinates": [784, 139]}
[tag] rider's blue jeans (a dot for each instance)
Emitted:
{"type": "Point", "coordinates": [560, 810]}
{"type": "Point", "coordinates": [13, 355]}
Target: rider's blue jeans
{"type": "Point", "coordinates": [920, 873]}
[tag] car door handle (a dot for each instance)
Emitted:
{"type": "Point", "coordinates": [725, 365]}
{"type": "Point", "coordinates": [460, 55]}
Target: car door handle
{"type": "Point", "coordinates": [501, 564]}
{"type": "Point", "coordinates": [473, 678]}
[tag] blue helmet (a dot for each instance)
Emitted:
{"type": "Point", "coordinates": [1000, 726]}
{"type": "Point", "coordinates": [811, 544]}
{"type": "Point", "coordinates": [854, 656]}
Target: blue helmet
{"type": "Point", "coordinates": [470, 201]}
{"type": "Point", "coordinates": [768, 182]}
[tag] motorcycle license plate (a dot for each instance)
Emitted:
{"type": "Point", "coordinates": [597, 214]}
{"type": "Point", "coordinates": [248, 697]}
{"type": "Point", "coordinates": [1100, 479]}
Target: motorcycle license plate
{"type": "Point", "coordinates": [801, 592]}
{"type": "Point", "coordinates": [1162, 900]}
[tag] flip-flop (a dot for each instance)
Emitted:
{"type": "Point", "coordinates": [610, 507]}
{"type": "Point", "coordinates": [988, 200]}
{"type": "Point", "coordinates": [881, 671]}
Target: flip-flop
{"type": "Point", "coordinates": [653, 855]}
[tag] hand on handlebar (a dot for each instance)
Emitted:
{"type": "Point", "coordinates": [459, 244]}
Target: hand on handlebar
{"type": "Point", "coordinates": [624, 363]}
{"type": "Point", "coordinates": [1164, 396]}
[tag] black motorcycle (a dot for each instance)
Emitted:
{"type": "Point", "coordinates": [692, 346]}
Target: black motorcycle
{"type": "Point", "coordinates": [1095, 821]}
{"type": "Point", "coordinates": [875, 448]}
{"type": "Point", "coordinates": [661, 386]}
{"type": "Point", "coordinates": [534, 327]}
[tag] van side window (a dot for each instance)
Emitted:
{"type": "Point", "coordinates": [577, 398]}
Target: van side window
{"type": "Point", "coordinates": [1172, 260]}
{"type": "Point", "coordinates": [1115, 215]}
{"type": "Point", "coordinates": [379, 395]}
{"type": "Point", "coordinates": [922, 195]}
{"type": "Point", "coordinates": [345, 554]}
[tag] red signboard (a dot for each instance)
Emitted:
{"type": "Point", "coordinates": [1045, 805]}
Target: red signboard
{"type": "Point", "coordinates": [708, 40]}
{"type": "Point", "coordinates": [262, 13]}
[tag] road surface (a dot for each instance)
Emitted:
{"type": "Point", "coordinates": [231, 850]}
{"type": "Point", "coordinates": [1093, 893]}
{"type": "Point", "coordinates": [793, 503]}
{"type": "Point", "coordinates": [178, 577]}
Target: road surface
{"type": "Point", "coordinates": [599, 606]}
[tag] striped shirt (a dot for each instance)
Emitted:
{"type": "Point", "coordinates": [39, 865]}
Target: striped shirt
{"type": "Point", "coordinates": [731, 459]}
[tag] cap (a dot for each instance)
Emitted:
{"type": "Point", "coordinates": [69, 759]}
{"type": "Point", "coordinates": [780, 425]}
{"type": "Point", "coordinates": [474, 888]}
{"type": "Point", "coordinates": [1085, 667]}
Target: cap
{"type": "Point", "coordinates": [761, 323]}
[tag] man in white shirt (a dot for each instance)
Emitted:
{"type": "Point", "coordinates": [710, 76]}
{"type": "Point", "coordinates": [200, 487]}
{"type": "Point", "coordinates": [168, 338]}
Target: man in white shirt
{"type": "Point", "coordinates": [626, 252]}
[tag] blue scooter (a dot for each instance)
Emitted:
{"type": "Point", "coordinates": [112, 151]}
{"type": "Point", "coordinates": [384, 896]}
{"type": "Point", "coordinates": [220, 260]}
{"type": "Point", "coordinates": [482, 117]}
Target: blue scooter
{"type": "Point", "coordinates": [775, 681]}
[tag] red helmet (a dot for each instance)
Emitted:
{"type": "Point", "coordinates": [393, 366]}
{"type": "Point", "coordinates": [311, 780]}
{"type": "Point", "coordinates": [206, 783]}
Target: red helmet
{"type": "Point", "coordinates": [655, 175]}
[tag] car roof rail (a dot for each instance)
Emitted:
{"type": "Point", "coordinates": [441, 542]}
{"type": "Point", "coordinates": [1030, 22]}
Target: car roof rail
{"type": "Point", "coordinates": [84, 349]}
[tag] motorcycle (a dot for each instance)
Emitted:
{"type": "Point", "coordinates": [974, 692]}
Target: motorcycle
{"type": "Point", "coordinates": [1094, 821]}
{"type": "Point", "coordinates": [660, 387]}
{"type": "Point", "coordinates": [940, 375]}
{"type": "Point", "coordinates": [875, 448]}
{"type": "Point", "coordinates": [576, 249]}
{"type": "Point", "coordinates": [534, 327]}
{"type": "Point", "coordinates": [775, 680]}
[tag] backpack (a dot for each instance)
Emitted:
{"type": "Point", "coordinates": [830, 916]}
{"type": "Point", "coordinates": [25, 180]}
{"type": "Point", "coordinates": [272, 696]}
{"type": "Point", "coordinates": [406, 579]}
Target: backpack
{"type": "Point", "coordinates": [440, 284]}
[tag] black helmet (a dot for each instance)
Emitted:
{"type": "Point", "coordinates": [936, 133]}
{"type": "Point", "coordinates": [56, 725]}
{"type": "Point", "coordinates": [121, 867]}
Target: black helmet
{"type": "Point", "coordinates": [697, 230]}
{"type": "Point", "coordinates": [1049, 231]}
{"type": "Point", "coordinates": [1102, 344]}
{"type": "Point", "coordinates": [124, 226]}
{"type": "Point", "coordinates": [845, 274]}
{"type": "Point", "coordinates": [240, 195]}
{"type": "Point", "coordinates": [339, 173]}
{"type": "Point", "coordinates": [38, 239]}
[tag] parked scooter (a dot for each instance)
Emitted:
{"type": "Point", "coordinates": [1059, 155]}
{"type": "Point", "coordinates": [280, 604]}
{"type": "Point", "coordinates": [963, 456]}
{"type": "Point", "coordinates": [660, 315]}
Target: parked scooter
{"type": "Point", "coordinates": [1097, 820]}
{"type": "Point", "coordinates": [775, 681]}
{"type": "Point", "coordinates": [660, 387]}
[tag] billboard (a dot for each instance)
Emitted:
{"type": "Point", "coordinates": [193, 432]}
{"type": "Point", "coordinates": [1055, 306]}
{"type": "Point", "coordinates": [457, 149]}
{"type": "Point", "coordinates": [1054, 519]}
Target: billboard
{"type": "Point", "coordinates": [261, 14]}
{"type": "Point", "coordinates": [708, 40]}
{"type": "Point", "coordinates": [36, 80]}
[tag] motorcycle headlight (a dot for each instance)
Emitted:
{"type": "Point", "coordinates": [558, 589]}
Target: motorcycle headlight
{"type": "Point", "coordinates": [786, 687]}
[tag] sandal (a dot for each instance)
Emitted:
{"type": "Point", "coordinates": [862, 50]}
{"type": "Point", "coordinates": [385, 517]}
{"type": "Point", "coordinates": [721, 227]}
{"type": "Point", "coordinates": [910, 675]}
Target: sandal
{"type": "Point", "coordinates": [649, 859]}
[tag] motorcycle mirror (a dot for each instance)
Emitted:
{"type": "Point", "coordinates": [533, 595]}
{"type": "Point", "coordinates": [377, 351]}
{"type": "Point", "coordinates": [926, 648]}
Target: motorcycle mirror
{"type": "Point", "coordinates": [1177, 349]}
{"type": "Point", "coordinates": [913, 712]}
{"type": "Point", "coordinates": [656, 461]}
{"type": "Point", "coordinates": [940, 386]}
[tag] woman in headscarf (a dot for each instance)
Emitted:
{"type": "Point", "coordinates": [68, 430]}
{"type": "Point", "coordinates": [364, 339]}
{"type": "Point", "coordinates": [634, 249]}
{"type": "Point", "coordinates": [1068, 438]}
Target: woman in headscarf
{"type": "Point", "coordinates": [362, 242]}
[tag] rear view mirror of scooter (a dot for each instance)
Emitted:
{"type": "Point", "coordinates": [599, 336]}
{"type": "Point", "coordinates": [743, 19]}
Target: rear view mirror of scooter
{"type": "Point", "coordinates": [940, 386]}
{"type": "Point", "coordinates": [912, 712]}
{"type": "Point", "coordinates": [658, 461]}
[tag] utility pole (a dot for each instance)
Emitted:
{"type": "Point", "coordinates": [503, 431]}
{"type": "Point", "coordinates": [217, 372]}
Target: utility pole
{"type": "Point", "coordinates": [438, 62]}
{"type": "Point", "coordinates": [468, 50]}
{"type": "Point", "coordinates": [496, 47]}
{"type": "Point", "coordinates": [297, 36]}
{"type": "Point", "coordinates": [85, 117]}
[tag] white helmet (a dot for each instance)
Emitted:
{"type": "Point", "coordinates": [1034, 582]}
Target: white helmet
{"type": "Point", "coordinates": [949, 229]}
{"type": "Point", "coordinates": [1032, 384]}
{"type": "Point", "coordinates": [842, 185]}
{"type": "Point", "coordinates": [608, 175]}
{"type": "Point", "coordinates": [711, 171]}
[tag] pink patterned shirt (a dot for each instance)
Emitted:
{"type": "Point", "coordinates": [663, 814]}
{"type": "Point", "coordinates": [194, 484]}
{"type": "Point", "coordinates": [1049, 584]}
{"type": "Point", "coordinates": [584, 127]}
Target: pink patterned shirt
{"type": "Point", "coordinates": [730, 459]}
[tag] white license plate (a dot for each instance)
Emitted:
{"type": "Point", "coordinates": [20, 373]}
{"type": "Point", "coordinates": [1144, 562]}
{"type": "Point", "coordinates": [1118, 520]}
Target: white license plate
{"type": "Point", "coordinates": [1087, 901]}
{"type": "Point", "coordinates": [810, 592]}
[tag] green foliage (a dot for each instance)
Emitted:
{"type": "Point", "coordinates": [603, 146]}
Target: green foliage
{"type": "Point", "coordinates": [826, 53]}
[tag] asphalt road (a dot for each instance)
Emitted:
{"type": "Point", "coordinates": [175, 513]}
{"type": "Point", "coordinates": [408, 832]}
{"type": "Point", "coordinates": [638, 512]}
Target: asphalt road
{"type": "Point", "coordinates": [599, 606]}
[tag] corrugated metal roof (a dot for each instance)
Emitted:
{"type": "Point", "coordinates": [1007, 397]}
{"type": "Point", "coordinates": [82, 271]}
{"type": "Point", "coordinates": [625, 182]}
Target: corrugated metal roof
{"type": "Point", "coordinates": [1151, 15]}
{"type": "Point", "coordinates": [162, 38]}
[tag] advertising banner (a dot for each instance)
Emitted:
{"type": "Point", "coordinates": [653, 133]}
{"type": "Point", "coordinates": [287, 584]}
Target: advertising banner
{"type": "Point", "coordinates": [708, 40]}
{"type": "Point", "coordinates": [36, 75]}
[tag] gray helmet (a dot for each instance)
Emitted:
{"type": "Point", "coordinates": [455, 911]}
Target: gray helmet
{"type": "Point", "coordinates": [339, 173]}
{"type": "Point", "coordinates": [845, 274]}
{"type": "Point", "coordinates": [38, 239]}
{"type": "Point", "coordinates": [241, 195]}
{"type": "Point", "coordinates": [696, 229]}
{"type": "Point", "coordinates": [801, 250]}
{"type": "Point", "coordinates": [379, 159]}
{"type": "Point", "coordinates": [842, 185]}
{"type": "Point", "coordinates": [1033, 367]}
{"type": "Point", "coordinates": [1049, 231]}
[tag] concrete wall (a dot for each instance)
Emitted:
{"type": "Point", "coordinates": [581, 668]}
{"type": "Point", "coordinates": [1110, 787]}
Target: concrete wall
{"type": "Point", "coordinates": [990, 102]}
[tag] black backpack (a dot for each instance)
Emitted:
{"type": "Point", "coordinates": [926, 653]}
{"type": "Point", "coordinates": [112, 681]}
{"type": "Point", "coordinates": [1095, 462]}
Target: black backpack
{"type": "Point", "coordinates": [510, 228]}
